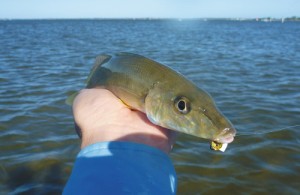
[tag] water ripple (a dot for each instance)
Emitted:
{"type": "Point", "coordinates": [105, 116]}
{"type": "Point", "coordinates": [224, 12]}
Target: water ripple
{"type": "Point", "coordinates": [250, 68]}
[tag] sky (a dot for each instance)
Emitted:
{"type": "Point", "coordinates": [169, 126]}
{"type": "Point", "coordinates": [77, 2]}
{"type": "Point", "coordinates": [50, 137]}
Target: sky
{"type": "Point", "coordinates": [38, 9]}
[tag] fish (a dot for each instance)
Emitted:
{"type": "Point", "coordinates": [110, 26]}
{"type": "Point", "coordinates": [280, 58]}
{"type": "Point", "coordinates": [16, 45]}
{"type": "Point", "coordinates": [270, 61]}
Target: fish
{"type": "Point", "coordinates": [167, 98]}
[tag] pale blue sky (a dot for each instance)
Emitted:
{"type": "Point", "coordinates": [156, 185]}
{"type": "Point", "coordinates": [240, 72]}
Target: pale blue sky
{"type": "Point", "coordinates": [148, 8]}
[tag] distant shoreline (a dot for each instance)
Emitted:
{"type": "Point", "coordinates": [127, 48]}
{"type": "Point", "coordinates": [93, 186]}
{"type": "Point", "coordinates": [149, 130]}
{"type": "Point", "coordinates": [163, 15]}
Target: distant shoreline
{"type": "Point", "coordinates": [264, 19]}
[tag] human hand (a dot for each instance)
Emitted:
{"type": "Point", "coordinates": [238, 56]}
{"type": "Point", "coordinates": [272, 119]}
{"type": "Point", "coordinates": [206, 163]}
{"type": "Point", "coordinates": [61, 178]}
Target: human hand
{"type": "Point", "coordinates": [101, 116]}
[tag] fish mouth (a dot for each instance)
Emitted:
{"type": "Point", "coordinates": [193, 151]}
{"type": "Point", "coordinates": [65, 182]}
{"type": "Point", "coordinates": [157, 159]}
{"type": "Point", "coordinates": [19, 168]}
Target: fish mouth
{"type": "Point", "coordinates": [226, 136]}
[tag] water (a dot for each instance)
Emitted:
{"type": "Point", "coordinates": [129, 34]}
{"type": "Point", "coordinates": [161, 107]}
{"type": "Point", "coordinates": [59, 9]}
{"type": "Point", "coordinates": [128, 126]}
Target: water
{"type": "Point", "coordinates": [250, 68]}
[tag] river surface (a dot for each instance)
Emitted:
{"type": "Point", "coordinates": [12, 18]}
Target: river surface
{"type": "Point", "coordinates": [252, 70]}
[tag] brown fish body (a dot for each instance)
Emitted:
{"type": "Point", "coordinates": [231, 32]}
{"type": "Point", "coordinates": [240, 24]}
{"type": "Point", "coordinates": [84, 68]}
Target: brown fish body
{"type": "Point", "coordinates": [165, 96]}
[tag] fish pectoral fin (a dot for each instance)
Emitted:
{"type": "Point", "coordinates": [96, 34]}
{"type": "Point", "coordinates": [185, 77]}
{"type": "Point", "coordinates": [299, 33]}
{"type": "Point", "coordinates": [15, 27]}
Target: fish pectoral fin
{"type": "Point", "coordinates": [153, 105]}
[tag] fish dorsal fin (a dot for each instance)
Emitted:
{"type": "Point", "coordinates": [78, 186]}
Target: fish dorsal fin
{"type": "Point", "coordinates": [100, 59]}
{"type": "Point", "coordinates": [128, 54]}
{"type": "Point", "coordinates": [125, 54]}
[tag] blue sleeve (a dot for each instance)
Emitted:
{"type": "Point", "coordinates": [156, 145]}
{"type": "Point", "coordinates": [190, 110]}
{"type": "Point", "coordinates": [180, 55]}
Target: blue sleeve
{"type": "Point", "coordinates": [122, 168]}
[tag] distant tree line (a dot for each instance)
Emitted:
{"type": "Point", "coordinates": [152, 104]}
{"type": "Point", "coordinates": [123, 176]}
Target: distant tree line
{"type": "Point", "coordinates": [269, 19]}
{"type": "Point", "coordinates": [294, 18]}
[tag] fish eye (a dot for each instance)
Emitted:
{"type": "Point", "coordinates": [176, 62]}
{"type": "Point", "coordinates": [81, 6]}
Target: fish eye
{"type": "Point", "coordinates": [182, 104]}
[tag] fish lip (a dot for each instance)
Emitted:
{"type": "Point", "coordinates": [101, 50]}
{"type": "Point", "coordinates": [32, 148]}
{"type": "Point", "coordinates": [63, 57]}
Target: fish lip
{"type": "Point", "coordinates": [226, 136]}
{"type": "Point", "coordinates": [225, 140]}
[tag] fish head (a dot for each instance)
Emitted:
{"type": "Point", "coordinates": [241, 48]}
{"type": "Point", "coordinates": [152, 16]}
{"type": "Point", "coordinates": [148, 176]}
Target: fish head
{"type": "Point", "coordinates": [189, 110]}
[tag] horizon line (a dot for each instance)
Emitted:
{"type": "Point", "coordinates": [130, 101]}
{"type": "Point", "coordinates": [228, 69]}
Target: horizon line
{"type": "Point", "coordinates": [144, 18]}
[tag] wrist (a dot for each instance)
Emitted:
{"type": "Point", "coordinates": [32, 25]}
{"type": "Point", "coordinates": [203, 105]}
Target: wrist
{"type": "Point", "coordinates": [159, 140]}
